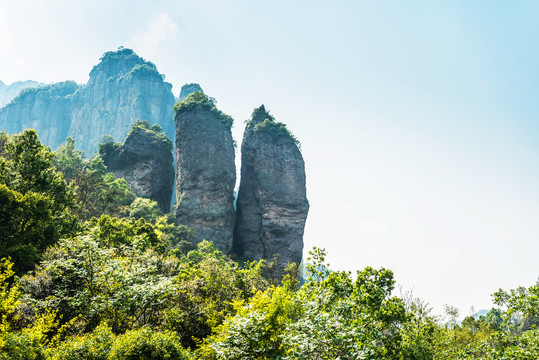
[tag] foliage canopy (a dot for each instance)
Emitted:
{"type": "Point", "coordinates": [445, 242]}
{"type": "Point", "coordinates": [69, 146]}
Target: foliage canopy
{"type": "Point", "coordinates": [203, 101]}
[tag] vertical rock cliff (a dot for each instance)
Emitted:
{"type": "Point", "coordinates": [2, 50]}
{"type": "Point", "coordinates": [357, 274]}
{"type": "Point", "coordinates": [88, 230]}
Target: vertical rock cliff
{"type": "Point", "coordinates": [206, 172]}
{"type": "Point", "coordinates": [272, 205]}
{"type": "Point", "coordinates": [9, 92]}
{"type": "Point", "coordinates": [46, 109]}
{"type": "Point", "coordinates": [186, 90]}
{"type": "Point", "coordinates": [122, 88]}
{"type": "Point", "coordinates": [145, 162]}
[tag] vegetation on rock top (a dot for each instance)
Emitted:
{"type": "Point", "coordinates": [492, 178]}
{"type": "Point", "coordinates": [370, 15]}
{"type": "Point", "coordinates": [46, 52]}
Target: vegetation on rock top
{"type": "Point", "coordinates": [53, 91]}
{"type": "Point", "coordinates": [107, 145]}
{"type": "Point", "coordinates": [154, 131]}
{"type": "Point", "coordinates": [200, 99]}
{"type": "Point", "coordinates": [269, 126]}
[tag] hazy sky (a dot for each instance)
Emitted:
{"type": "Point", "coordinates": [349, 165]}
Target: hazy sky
{"type": "Point", "coordinates": [418, 121]}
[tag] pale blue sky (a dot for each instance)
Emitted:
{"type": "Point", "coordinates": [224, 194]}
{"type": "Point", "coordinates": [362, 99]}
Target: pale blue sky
{"type": "Point", "coordinates": [418, 120]}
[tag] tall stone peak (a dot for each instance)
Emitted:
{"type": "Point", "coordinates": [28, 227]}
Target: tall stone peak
{"type": "Point", "coordinates": [264, 124]}
{"type": "Point", "coordinates": [144, 160]}
{"type": "Point", "coordinates": [123, 88]}
{"type": "Point", "coordinates": [206, 171]}
{"type": "Point", "coordinates": [119, 63]}
{"type": "Point", "coordinates": [188, 89]}
{"type": "Point", "coordinates": [272, 205]}
{"type": "Point", "coordinates": [259, 115]}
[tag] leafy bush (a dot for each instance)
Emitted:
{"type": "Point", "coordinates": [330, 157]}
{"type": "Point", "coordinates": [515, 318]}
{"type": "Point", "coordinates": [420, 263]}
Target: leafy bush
{"type": "Point", "coordinates": [146, 70]}
{"type": "Point", "coordinates": [153, 131]}
{"type": "Point", "coordinates": [145, 208]}
{"type": "Point", "coordinates": [91, 283]}
{"type": "Point", "coordinates": [264, 122]}
{"type": "Point", "coordinates": [144, 344]}
{"type": "Point", "coordinates": [93, 346]}
{"type": "Point", "coordinates": [9, 296]}
{"type": "Point", "coordinates": [275, 129]}
{"type": "Point", "coordinates": [98, 192]}
{"type": "Point", "coordinates": [107, 146]}
{"type": "Point", "coordinates": [68, 160]}
{"type": "Point", "coordinates": [200, 99]}
{"type": "Point", "coordinates": [20, 346]}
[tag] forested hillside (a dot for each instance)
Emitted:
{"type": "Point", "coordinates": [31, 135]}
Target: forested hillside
{"type": "Point", "coordinates": [91, 271]}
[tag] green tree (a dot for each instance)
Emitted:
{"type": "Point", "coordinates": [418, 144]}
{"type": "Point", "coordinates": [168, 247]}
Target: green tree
{"type": "Point", "coordinates": [145, 344]}
{"type": "Point", "coordinates": [68, 160]}
{"type": "Point", "coordinates": [98, 192]}
{"type": "Point", "coordinates": [36, 204]}
{"type": "Point", "coordinates": [145, 208]}
{"type": "Point", "coordinates": [331, 316]}
{"type": "Point", "coordinates": [93, 284]}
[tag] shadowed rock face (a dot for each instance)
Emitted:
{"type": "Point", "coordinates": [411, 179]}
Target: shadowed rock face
{"type": "Point", "coordinates": [206, 172]}
{"type": "Point", "coordinates": [145, 162]}
{"type": "Point", "coordinates": [272, 205]}
{"type": "Point", "coordinates": [122, 88]}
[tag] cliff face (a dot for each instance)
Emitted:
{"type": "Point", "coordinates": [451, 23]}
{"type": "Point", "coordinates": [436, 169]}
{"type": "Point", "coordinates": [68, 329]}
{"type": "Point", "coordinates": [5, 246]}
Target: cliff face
{"type": "Point", "coordinates": [122, 88]}
{"type": "Point", "coordinates": [46, 109]}
{"type": "Point", "coordinates": [145, 162]}
{"type": "Point", "coordinates": [272, 205]}
{"type": "Point", "coordinates": [9, 92]}
{"type": "Point", "coordinates": [206, 172]}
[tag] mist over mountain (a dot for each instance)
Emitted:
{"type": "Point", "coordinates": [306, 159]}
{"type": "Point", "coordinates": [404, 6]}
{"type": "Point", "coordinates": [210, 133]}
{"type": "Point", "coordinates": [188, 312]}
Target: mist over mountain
{"type": "Point", "coordinates": [9, 92]}
{"type": "Point", "coordinates": [122, 89]}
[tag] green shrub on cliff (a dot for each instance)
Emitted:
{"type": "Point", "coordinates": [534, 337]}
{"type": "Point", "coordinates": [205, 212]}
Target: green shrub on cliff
{"type": "Point", "coordinates": [154, 131]}
{"type": "Point", "coordinates": [200, 99]}
{"type": "Point", "coordinates": [52, 91]}
{"type": "Point", "coordinates": [269, 126]}
{"type": "Point", "coordinates": [275, 129]}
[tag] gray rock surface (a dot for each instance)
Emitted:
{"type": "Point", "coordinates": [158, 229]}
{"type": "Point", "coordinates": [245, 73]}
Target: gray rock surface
{"type": "Point", "coordinates": [185, 91]}
{"type": "Point", "coordinates": [122, 88]}
{"type": "Point", "coordinates": [206, 172]}
{"type": "Point", "coordinates": [272, 205]}
{"type": "Point", "coordinates": [145, 162]}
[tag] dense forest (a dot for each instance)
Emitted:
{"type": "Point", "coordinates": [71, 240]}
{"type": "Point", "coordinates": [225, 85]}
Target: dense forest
{"type": "Point", "coordinates": [91, 271]}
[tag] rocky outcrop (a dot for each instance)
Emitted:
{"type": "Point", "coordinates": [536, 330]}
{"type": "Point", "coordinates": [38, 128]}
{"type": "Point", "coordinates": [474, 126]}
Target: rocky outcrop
{"type": "Point", "coordinates": [144, 161]}
{"type": "Point", "coordinates": [185, 91]}
{"type": "Point", "coordinates": [272, 205]}
{"type": "Point", "coordinates": [188, 89]}
{"type": "Point", "coordinates": [9, 92]}
{"type": "Point", "coordinates": [122, 88]}
{"type": "Point", "coordinates": [206, 172]}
